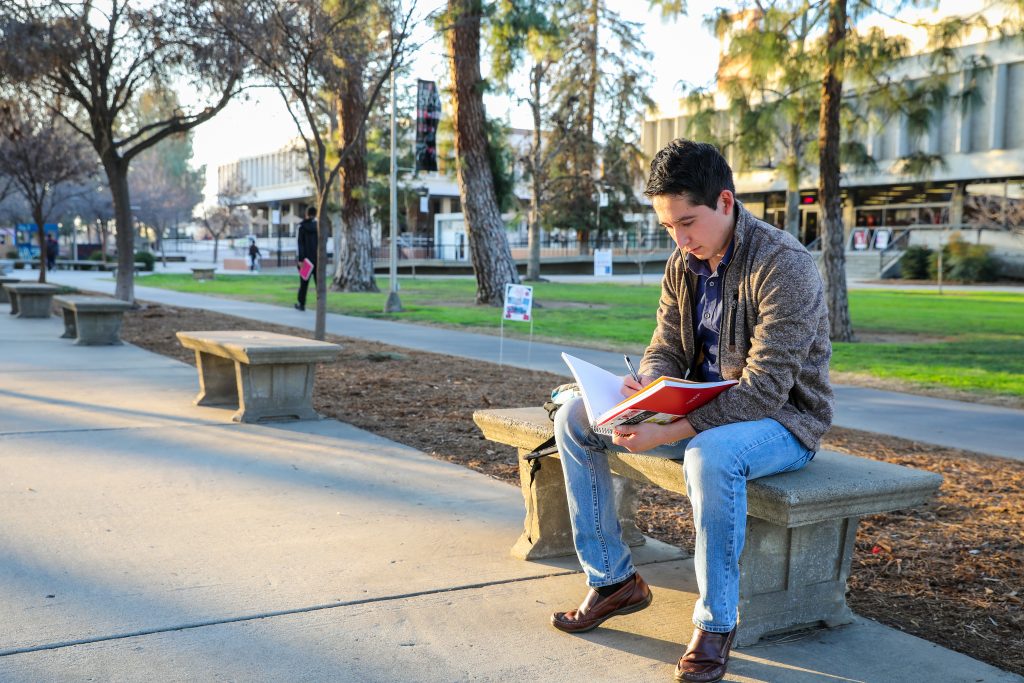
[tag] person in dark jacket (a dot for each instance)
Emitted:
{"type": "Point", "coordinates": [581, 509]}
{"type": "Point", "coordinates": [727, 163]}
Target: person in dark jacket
{"type": "Point", "coordinates": [52, 252]}
{"type": "Point", "coordinates": [306, 250]}
{"type": "Point", "coordinates": [740, 300]}
{"type": "Point", "coordinates": [254, 255]}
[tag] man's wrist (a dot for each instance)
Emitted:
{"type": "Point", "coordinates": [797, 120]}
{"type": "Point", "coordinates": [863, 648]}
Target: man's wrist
{"type": "Point", "coordinates": [681, 429]}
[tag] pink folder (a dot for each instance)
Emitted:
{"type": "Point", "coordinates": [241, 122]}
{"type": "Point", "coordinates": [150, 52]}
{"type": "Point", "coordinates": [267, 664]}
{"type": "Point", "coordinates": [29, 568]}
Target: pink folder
{"type": "Point", "coordinates": [305, 269]}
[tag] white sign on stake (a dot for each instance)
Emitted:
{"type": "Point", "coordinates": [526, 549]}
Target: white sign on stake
{"type": "Point", "coordinates": [518, 306]}
{"type": "Point", "coordinates": [518, 302]}
{"type": "Point", "coordinates": [602, 262]}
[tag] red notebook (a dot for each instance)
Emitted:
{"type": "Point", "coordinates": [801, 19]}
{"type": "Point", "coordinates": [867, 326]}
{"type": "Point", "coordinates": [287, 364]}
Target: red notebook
{"type": "Point", "coordinates": [664, 400]}
{"type": "Point", "coordinates": [305, 269]}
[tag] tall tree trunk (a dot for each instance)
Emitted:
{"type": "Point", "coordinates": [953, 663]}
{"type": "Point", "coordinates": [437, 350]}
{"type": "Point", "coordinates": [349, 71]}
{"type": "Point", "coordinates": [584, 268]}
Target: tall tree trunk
{"type": "Point", "coordinates": [793, 210]}
{"type": "Point", "coordinates": [587, 158]}
{"type": "Point", "coordinates": [833, 237]}
{"type": "Point", "coordinates": [536, 177]}
{"type": "Point", "coordinates": [117, 177]}
{"type": "Point", "coordinates": [355, 257]}
{"type": "Point", "coordinates": [37, 216]}
{"type": "Point", "coordinates": [488, 243]}
{"type": "Point", "coordinates": [793, 183]}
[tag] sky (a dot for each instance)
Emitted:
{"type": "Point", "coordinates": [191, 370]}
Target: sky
{"type": "Point", "coordinates": [260, 123]}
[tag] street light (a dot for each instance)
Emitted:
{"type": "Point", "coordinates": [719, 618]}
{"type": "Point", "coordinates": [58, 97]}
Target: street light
{"type": "Point", "coordinates": [394, 303]}
{"type": "Point", "coordinates": [275, 220]}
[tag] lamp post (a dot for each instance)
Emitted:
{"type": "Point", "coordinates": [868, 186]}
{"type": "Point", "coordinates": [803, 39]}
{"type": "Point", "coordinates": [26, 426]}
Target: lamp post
{"type": "Point", "coordinates": [275, 220]}
{"type": "Point", "coordinates": [394, 303]}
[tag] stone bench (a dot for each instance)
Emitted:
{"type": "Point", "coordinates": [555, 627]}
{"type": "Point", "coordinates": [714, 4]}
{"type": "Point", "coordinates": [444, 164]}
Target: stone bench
{"type": "Point", "coordinates": [4, 298]}
{"type": "Point", "coordinates": [92, 320]}
{"type": "Point", "coordinates": [801, 525]}
{"type": "Point", "coordinates": [31, 299]}
{"type": "Point", "coordinates": [268, 376]}
{"type": "Point", "coordinates": [202, 273]}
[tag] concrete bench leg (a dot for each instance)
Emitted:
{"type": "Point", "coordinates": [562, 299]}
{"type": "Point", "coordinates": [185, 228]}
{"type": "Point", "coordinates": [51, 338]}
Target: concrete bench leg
{"type": "Point", "coordinates": [34, 306]}
{"type": "Point", "coordinates": [70, 324]}
{"type": "Point", "coordinates": [218, 385]}
{"type": "Point", "coordinates": [547, 531]}
{"type": "Point", "coordinates": [275, 392]}
{"type": "Point", "coordinates": [98, 329]}
{"type": "Point", "coordinates": [14, 303]}
{"type": "Point", "coordinates": [791, 578]}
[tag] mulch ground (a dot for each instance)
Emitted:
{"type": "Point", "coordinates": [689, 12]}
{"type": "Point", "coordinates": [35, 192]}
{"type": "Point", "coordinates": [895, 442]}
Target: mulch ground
{"type": "Point", "coordinates": [949, 571]}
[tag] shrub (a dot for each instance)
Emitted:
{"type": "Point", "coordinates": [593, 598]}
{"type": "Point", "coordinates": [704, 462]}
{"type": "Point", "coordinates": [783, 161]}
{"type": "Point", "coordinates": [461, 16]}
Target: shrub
{"type": "Point", "coordinates": [11, 253]}
{"type": "Point", "coordinates": [96, 255]}
{"type": "Point", "coordinates": [914, 264]}
{"type": "Point", "coordinates": [146, 259]}
{"type": "Point", "coordinates": [965, 262]}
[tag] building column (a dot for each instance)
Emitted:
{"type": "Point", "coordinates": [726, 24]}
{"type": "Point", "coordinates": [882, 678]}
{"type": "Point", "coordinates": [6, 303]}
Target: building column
{"type": "Point", "coordinates": [903, 138]}
{"type": "Point", "coordinates": [997, 134]}
{"type": "Point", "coordinates": [962, 143]}
{"type": "Point", "coordinates": [935, 131]}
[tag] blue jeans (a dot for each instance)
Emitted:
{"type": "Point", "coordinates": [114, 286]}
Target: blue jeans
{"type": "Point", "coordinates": [717, 464]}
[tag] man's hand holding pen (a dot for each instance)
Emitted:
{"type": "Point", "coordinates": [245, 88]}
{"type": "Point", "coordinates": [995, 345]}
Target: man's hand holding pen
{"type": "Point", "coordinates": [634, 381]}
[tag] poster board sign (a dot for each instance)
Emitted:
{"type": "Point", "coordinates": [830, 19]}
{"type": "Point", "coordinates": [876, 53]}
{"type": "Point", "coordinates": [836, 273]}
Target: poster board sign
{"type": "Point", "coordinates": [860, 239]}
{"type": "Point", "coordinates": [602, 262]}
{"type": "Point", "coordinates": [518, 303]}
{"type": "Point", "coordinates": [882, 237]}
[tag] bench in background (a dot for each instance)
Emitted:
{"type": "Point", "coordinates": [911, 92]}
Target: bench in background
{"type": "Point", "coordinates": [268, 376]}
{"type": "Point", "coordinates": [4, 298]}
{"type": "Point", "coordinates": [203, 273]}
{"type": "Point", "coordinates": [801, 525]}
{"type": "Point", "coordinates": [92, 320]}
{"type": "Point", "coordinates": [31, 299]}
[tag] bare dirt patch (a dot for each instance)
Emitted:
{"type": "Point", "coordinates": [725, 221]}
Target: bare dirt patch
{"type": "Point", "coordinates": [898, 338]}
{"type": "Point", "coordinates": [950, 571]}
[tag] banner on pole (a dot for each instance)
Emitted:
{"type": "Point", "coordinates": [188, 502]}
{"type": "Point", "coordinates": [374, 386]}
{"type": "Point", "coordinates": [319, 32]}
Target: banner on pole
{"type": "Point", "coordinates": [518, 303]}
{"type": "Point", "coordinates": [428, 114]}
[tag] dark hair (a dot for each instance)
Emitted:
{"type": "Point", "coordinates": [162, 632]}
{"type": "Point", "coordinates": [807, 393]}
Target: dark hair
{"type": "Point", "coordinates": [311, 212]}
{"type": "Point", "coordinates": [696, 170]}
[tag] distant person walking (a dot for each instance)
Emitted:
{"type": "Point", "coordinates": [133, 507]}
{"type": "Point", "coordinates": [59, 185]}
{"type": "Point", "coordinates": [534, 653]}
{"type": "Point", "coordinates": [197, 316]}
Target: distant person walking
{"type": "Point", "coordinates": [306, 250]}
{"type": "Point", "coordinates": [254, 255]}
{"type": "Point", "coordinates": [52, 252]}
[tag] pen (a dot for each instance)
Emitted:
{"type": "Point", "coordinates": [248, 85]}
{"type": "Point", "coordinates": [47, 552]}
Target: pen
{"type": "Point", "coordinates": [632, 370]}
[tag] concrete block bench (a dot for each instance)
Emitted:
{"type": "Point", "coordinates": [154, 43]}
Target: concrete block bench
{"type": "Point", "coordinates": [268, 376]}
{"type": "Point", "coordinates": [92, 320]}
{"type": "Point", "coordinates": [800, 525]}
{"type": "Point", "coordinates": [4, 298]}
{"type": "Point", "coordinates": [31, 299]}
{"type": "Point", "coordinates": [202, 273]}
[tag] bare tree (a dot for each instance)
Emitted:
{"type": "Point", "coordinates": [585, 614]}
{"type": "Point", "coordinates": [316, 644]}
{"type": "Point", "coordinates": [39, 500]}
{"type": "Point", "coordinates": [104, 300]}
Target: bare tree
{"type": "Point", "coordinates": [40, 155]}
{"type": "Point", "coordinates": [299, 47]}
{"type": "Point", "coordinates": [488, 243]}
{"type": "Point", "coordinates": [90, 60]}
{"type": "Point", "coordinates": [227, 219]}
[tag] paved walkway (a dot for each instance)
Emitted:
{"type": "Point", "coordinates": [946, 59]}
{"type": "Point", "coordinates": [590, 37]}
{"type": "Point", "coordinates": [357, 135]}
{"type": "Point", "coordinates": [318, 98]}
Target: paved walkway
{"type": "Point", "coordinates": [146, 539]}
{"type": "Point", "coordinates": [956, 424]}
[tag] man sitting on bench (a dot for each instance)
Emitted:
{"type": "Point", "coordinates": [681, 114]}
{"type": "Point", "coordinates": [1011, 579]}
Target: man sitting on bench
{"type": "Point", "coordinates": [740, 300]}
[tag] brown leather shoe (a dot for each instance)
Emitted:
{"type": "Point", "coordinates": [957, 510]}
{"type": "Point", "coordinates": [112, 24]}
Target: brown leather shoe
{"type": "Point", "coordinates": [632, 597]}
{"type": "Point", "coordinates": [706, 657]}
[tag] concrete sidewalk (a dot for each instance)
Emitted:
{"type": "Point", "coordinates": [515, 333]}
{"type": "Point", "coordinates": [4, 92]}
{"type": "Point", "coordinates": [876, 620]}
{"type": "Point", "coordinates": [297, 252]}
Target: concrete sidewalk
{"type": "Point", "coordinates": [956, 424]}
{"type": "Point", "coordinates": [146, 539]}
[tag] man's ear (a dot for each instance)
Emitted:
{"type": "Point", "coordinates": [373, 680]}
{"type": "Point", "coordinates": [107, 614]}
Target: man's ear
{"type": "Point", "coordinates": [726, 202]}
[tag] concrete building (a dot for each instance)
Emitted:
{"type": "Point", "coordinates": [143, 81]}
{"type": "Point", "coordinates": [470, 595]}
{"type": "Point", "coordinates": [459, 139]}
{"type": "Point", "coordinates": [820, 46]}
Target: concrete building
{"type": "Point", "coordinates": [431, 222]}
{"type": "Point", "coordinates": [978, 190]}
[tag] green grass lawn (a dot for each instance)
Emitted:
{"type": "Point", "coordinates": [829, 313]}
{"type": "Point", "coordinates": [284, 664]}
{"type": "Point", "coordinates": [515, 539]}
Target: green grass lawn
{"type": "Point", "coordinates": [968, 341]}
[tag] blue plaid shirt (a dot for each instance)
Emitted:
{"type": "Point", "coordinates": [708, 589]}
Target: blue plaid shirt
{"type": "Point", "coordinates": [709, 313]}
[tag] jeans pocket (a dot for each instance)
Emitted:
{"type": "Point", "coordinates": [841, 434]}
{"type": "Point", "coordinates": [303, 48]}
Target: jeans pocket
{"type": "Point", "coordinates": [799, 462]}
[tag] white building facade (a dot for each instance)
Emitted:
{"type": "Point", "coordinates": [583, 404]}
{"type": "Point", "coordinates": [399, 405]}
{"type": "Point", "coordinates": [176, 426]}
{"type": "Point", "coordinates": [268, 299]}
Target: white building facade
{"type": "Point", "coordinates": [978, 189]}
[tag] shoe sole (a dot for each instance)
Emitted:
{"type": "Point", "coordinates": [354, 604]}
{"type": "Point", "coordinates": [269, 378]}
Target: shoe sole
{"type": "Point", "coordinates": [617, 613]}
